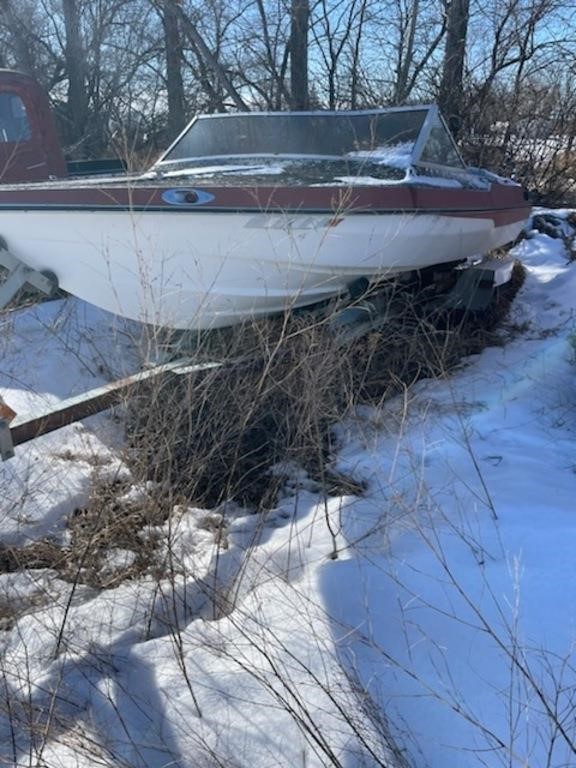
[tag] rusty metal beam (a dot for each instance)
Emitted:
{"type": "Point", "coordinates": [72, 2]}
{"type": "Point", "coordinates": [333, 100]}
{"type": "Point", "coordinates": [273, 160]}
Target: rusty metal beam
{"type": "Point", "coordinates": [87, 404]}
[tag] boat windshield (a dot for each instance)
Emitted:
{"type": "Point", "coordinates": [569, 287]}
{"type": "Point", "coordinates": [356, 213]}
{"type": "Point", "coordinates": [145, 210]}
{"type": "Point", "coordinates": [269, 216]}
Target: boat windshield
{"type": "Point", "coordinates": [316, 147]}
{"type": "Point", "coordinates": [328, 134]}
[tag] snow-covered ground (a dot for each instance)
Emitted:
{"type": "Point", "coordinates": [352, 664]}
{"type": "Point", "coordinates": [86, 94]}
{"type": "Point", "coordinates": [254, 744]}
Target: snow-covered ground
{"type": "Point", "coordinates": [445, 625]}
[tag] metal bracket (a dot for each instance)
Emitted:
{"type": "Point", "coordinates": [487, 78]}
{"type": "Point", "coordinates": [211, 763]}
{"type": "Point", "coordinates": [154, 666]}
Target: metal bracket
{"type": "Point", "coordinates": [476, 285]}
{"type": "Point", "coordinates": [20, 275]}
{"type": "Point", "coordinates": [6, 444]}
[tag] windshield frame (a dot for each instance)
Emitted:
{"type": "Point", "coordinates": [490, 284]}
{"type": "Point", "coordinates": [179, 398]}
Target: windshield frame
{"type": "Point", "coordinates": [434, 117]}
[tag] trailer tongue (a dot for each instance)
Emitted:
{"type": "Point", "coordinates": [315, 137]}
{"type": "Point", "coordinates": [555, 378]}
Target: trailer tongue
{"type": "Point", "coordinates": [15, 431]}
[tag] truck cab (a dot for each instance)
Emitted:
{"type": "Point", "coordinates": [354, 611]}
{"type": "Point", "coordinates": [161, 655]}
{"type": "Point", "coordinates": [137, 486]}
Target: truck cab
{"type": "Point", "coordinates": [29, 146]}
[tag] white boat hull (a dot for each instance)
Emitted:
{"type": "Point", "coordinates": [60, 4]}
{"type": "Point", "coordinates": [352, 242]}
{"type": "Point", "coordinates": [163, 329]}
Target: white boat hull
{"type": "Point", "coordinates": [207, 270]}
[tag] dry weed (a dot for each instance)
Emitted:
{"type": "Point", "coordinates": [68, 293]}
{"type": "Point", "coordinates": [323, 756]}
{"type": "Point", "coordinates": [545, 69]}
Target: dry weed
{"type": "Point", "coordinates": [215, 436]}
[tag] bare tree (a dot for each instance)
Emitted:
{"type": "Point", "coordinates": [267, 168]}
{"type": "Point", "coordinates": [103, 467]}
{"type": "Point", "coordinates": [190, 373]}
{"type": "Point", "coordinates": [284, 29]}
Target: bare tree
{"type": "Point", "coordinates": [262, 53]}
{"type": "Point", "coordinates": [334, 29]}
{"type": "Point", "coordinates": [421, 29]}
{"type": "Point", "coordinates": [273, 48]}
{"type": "Point", "coordinates": [197, 40]}
{"type": "Point", "coordinates": [355, 55]}
{"type": "Point", "coordinates": [130, 70]}
{"type": "Point", "coordinates": [519, 96]}
{"type": "Point", "coordinates": [20, 36]}
{"type": "Point", "coordinates": [515, 35]}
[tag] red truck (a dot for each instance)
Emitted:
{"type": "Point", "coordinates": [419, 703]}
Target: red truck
{"type": "Point", "coordinates": [29, 145]}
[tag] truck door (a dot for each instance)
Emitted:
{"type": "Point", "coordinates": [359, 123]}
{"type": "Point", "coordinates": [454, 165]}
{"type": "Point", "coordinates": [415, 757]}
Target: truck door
{"type": "Point", "coordinates": [28, 151]}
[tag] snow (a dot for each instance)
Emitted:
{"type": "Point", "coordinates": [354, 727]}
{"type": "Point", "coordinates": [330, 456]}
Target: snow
{"type": "Point", "coordinates": [435, 181]}
{"type": "Point", "coordinates": [439, 608]}
{"type": "Point", "coordinates": [395, 156]}
{"type": "Point", "coordinates": [212, 170]}
{"type": "Point", "coordinates": [412, 178]}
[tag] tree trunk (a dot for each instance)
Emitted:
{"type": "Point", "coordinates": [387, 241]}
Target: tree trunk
{"type": "Point", "coordinates": [300, 13]}
{"type": "Point", "coordinates": [174, 82]}
{"type": "Point", "coordinates": [451, 87]}
{"type": "Point", "coordinates": [355, 74]}
{"type": "Point", "coordinates": [406, 56]}
{"type": "Point", "coordinates": [76, 71]}
{"type": "Point", "coordinates": [279, 93]}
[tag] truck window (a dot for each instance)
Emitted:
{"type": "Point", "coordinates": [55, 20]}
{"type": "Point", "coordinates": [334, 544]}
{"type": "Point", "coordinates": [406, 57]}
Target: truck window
{"type": "Point", "coordinates": [14, 124]}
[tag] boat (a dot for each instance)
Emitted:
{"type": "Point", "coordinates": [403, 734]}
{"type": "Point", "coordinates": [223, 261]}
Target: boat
{"type": "Point", "coordinates": [251, 214]}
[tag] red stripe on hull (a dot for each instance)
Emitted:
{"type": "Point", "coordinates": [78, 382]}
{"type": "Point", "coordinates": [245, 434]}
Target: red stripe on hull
{"type": "Point", "coordinates": [504, 204]}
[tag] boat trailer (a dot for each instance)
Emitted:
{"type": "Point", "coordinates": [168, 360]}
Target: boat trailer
{"type": "Point", "coordinates": [472, 291]}
{"type": "Point", "coordinates": [20, 276]}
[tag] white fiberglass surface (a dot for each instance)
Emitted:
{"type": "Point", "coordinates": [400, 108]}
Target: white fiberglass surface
{"type": "Point", "coordinates": [140, 268]}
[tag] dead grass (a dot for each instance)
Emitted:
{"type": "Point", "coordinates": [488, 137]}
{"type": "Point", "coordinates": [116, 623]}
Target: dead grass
{"type": "Point", "coordinates": [106, 525]}
{"type": "Point", "coordinates": [212, 438]}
